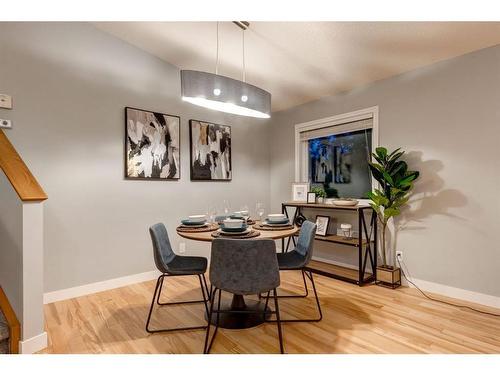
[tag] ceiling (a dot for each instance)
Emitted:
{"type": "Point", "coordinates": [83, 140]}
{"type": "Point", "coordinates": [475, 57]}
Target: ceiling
{"type": "Point", "coordinates": [298, 62]}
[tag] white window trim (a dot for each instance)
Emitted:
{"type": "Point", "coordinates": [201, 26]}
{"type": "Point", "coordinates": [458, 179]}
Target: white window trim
{"type": "Point", "coordinates": [336, 120]}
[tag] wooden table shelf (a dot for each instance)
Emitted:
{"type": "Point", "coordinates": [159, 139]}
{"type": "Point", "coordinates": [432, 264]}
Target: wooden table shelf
{"type": "Point", "coordinates": [341, 240]}
{"type": "Point", "coordinates": [365, 242]}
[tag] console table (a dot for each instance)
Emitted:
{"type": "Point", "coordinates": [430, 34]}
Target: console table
{"type": "Point", "coordinates": [365, 242]}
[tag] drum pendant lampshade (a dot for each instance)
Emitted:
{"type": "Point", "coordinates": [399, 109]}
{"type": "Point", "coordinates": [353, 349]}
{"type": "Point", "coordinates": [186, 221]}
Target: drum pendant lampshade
{"type": "Point", "coordinates": [225, 94]}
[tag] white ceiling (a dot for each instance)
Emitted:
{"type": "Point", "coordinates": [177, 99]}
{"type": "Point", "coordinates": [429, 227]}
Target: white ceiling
{"type": "Point", "coordinates": [302, 61]}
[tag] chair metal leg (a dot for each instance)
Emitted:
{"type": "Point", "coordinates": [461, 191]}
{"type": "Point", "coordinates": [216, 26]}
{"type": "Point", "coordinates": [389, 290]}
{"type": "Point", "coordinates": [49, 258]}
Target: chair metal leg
{"type": "Point", "coordinates": [175, 302]}
{"type": "Point", "coordinates": [296, 295]}
{"type": "Point", "coordinates": [316, 295]}
{"type": "Point", "coordinates": [278, 320]}
{"type": "Point", "coordinates": [206, 350]}
{"type": "Point", "coordinates": [267, 302]}
{"type": "Point", "coordinates": [212, 298]}
{"type": "Point", "coordinates": [206, 287]}
{"type": "Point", "coordinates": [156, 298]}
{"type": "Point", "coordinates": [309, 275]}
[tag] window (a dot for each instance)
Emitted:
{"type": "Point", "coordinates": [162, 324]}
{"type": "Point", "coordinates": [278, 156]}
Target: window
{"type": "Point", "coordinates": [333, 153]}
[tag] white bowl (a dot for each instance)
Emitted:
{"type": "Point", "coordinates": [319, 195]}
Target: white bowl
{"type": "Point", "coordinates": [197, 218]}
{"type": "Point", "coordinates": [276, 217]}
{"type": "Point", "coordinates": [343, 202]}
{"type": "Point", "coordinates": [233, 223]}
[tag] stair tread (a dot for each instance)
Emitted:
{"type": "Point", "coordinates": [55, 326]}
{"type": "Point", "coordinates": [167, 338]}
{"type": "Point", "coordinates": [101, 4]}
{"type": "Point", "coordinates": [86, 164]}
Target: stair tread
{"type": "Point", "coordinates": [4, 328]}
{"type": "Point", "coordinates": [4, 347]}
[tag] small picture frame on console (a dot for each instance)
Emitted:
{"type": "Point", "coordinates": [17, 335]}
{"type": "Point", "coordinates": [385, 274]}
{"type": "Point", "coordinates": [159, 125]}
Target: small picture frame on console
{"type": "Point", "coordinates": [311, 197]}
{"type": "Point", "coordinates": [322, 223]}
{"type": "Point", "coordinates": [299, 191]}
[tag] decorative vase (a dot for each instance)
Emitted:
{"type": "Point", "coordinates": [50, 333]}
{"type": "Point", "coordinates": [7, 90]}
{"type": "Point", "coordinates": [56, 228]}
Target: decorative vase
{"type": "Point", "coordinates": [319, 200]}
{"type": "Point", "coordinates": [388, 276]}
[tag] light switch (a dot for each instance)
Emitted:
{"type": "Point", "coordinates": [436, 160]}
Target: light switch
{"type": "Point", "coordinates": [5, 101]}
{"type": "Point", "coordinates": [6, 124]}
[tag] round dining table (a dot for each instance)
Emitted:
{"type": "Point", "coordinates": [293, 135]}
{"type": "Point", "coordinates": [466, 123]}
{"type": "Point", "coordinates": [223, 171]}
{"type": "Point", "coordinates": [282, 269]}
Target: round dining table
{"type": "Point", "coordinates": [260, 312]}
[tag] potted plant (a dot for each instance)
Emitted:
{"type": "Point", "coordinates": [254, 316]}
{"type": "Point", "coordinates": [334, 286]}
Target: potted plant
{"type": "Point", "coordinates": [396, 182]}
{"type": "Point", "coordinates": [320, 193]}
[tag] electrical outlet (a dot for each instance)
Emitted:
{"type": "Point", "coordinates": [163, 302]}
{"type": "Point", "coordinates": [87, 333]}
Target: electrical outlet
{"type": "Point", "coordinates": [182, 247]}
{"type": "Point", "coordinates": [399, 255]}
{"type": "Point", "coordinates": [6, 124]}
{"type": "Point", "coordinates": [5, 101]}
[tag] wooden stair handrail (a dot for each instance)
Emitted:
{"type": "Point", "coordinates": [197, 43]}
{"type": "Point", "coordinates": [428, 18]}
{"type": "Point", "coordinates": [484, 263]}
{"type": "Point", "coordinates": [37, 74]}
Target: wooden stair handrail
{"type": "Point", "coordinates": [20, 177]}
{"type": "Point", "coordinates": [12, 322]}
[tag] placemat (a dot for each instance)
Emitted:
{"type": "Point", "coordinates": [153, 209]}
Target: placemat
{"type": "Point", "coordinates": [268, 227]}
{"type": "Point", "coordinates": [187, 229]}
{"type": "Point", "coordinates": [251, 234]}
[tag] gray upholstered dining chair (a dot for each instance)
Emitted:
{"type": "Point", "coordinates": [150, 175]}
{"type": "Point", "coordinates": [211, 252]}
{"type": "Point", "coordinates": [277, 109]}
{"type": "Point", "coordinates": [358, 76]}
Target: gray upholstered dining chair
{"type": "Point", "coordinates": [298, 259]}
{"type": "Point", "coordinates": [242, 267]}
{"type": "Point", "coordinates": [170, 264]}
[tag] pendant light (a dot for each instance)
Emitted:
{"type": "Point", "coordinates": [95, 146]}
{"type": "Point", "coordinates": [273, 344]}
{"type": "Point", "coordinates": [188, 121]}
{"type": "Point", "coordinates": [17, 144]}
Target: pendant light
{"type": "Point", "coordinates": [225, 94]}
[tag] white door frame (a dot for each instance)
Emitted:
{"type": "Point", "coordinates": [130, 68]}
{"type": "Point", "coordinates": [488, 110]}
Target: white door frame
{"type": "Point", "coordinates": [362, 114]}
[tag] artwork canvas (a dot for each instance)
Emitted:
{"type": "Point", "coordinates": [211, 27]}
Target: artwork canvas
{"type": "Point", "coordinates": [210, 151]}
{"type": "Point", "coordinates": [151, 145]}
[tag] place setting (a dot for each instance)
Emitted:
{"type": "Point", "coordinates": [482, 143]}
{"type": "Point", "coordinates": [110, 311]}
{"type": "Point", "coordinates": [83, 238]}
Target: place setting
{"type": "Point", "coordinates": [235, 228]}
{"type": "Point", "coordinates": [196, 223]}
{"type": "Point", "coordinates": [275, 222]}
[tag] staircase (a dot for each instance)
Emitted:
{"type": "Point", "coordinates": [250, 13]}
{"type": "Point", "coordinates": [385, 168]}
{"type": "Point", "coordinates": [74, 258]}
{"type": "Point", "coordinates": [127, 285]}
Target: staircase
{"type": "Point", "coordinates": [10, 329]}
{"type": "Point", "coordinates": [4, 335]}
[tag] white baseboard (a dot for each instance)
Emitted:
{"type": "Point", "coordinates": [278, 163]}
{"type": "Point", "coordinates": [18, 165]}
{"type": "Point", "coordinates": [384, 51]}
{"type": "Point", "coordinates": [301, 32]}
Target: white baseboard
{"type": "Point", "coordinates": [34, 344]}
{"type": "Point", "coordinates": [100, 286]}
{"type": "Point", "coordinates": [444, 290]}
{"type": "Point", "coordinates": [463, 294]}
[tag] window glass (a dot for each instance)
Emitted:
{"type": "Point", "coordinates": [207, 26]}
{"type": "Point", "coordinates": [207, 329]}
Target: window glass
{"type": "Point", "coordinates": [339, 163]}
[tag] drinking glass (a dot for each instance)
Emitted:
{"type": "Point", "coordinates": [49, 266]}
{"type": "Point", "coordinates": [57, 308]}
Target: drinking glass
{"type": "Point", "coordinates": [212, 213]}
{"type": "Point", "coordinates": [259, 210]}
{"type": "Point", "coordinates": [245, 212]}
{"type": "Point", "coordinates": [226, 207]}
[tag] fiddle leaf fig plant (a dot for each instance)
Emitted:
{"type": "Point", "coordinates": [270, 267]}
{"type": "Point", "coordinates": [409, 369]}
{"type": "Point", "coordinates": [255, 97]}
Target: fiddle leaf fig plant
{"type": "Point", "coordinates": [396, 182]}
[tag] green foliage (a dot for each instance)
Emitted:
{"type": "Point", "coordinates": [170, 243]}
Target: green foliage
{"type": "Point", "coordinates": [396, 182]}
{"type": "Point", "coordinates": [319, 191]}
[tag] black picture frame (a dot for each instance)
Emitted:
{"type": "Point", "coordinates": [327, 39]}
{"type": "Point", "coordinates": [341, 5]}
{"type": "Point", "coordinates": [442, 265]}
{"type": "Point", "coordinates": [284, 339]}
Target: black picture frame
{"type": "Point", "coordinates": [126, 149]}
{"type": "Point", "coordinates": [322, 230]}
{"type": "Point", "coordinates": [191, 161]}
{"type": "Point", "coordinates": [309, 195]}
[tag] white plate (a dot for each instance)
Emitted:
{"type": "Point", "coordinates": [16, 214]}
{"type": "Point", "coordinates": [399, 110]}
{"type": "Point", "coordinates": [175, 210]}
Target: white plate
{"type": "Point", "coordinates": [340, 202]}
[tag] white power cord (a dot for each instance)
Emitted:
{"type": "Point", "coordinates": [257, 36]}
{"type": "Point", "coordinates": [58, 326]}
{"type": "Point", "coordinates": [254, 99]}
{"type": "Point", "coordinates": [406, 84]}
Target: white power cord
{"type": "Point", "coordinates": [401, 263]}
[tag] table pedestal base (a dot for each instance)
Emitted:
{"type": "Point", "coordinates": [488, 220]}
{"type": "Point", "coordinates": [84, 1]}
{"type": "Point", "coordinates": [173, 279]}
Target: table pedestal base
{"type": "Point", "coordinates": [239, 320]}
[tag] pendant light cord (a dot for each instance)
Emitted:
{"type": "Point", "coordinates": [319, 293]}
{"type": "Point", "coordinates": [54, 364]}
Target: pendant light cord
{"type": "Point", "coordinates": [217, 49]}
{"type": "Point", "coordinates": [244, 70]}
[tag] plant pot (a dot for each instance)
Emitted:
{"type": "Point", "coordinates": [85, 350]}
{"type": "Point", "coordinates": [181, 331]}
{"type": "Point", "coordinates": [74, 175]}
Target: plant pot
{"type": "Point", "coordinates": [319, 200]}
{"type": "Point", "coordinates": [389, 277]}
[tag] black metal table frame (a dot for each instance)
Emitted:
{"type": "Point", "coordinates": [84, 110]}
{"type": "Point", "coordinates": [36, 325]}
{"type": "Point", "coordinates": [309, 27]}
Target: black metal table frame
{"type": "Point", "coordinates": [365, 253]}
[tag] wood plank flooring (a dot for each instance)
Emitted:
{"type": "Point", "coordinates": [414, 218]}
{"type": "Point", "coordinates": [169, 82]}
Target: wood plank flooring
{"type": "Point", "coordinates": [368, 319]}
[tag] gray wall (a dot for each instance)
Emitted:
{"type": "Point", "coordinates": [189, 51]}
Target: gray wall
{"type": "Point", "coordinates": [11, 245]}
{"type": "Point", "coordinates": [70, 84]}
{"type": "Point", "coordinates": [447, 117]}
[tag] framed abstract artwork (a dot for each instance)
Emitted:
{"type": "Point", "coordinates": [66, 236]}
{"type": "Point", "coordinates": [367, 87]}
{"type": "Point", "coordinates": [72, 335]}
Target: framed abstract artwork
{"type": "Point", "coordinates": [210, 151]}
{"type": "Point", "coordinates": [152, 142]}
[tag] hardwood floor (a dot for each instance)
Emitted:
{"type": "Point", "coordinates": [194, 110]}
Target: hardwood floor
{"type": "Point", "coordinates": [369, 319]}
